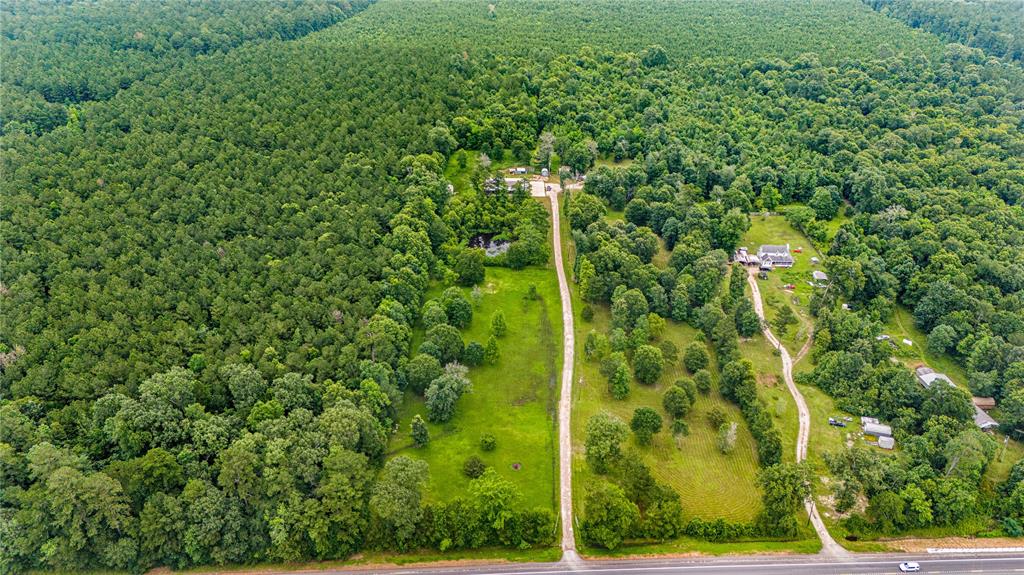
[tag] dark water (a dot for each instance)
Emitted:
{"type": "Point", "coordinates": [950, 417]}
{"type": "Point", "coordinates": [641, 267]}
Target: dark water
{"type": "Point", "coordinates": [491, 246]}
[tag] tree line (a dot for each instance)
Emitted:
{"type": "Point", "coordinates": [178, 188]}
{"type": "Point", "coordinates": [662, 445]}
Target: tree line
{"type": "Point", "coordinates": [995, 26]}
{"type": "Point", "coordinates": [57, 55]}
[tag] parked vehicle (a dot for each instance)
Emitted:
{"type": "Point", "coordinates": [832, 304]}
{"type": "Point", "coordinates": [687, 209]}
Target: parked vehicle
{"type": "Point", "coordinates": [835, 422]}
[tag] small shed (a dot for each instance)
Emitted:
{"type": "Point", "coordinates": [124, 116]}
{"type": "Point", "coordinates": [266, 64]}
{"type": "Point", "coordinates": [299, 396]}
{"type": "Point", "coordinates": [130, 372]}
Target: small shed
{"type": "Point", "coordinates": [985, 403]}
{"type": "Point", "coordinates": [867, 420]}
{"type": "Point", "coordinates": [814, 261]}
{"type": "Point", "coordinates": [886, 442]}
{"type": "Point", "coordinates": [544, 172]}
{"type": "Point", "coordinates": [877, 429]}
{"type": "Point", "coordinates": [819, 276]}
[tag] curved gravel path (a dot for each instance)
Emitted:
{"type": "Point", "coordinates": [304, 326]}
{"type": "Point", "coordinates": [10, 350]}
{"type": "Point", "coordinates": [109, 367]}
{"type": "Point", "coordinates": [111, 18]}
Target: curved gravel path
{"type": "Point", "coordinates": [828, 544]}
{"type": "Point", "coordinates": [565, 398]}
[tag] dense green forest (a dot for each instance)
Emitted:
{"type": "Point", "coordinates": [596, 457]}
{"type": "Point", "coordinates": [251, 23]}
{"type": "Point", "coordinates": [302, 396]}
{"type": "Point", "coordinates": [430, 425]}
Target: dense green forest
{"type": "Point", "coordinates": [995, 26]}
{"type": "Point", "coordinates": [57, 54]}
{"type": "Point", "coordinates": [710, 147]}
{"type": "Point", "coordinates": [215, 260]}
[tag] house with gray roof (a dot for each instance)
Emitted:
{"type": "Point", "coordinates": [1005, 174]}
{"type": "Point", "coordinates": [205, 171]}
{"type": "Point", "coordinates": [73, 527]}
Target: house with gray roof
{"type": "Point", "coordinates": [984, 421]}
{"type": "Point", "coordinates": [775, 256]}
{"type": "Point", "coordinates": [926, 376]}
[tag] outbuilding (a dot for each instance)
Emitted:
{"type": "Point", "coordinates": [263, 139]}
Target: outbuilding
{"type": "Point", "coordinates": [927, 376]}
{"type": "Point", "coordinates": [886, 442]}
{"type": "Point", "coordinates": [819, 276]}
{"type": "Point", "coordinates": [984, 421]}
{"type": "Point", "coordinates": [877, 429]}
{"type": "Point", "coordinates": [985, 403]}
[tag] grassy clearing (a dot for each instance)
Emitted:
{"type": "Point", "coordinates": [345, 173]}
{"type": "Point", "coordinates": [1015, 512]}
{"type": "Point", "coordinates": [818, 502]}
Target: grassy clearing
{"type": "Point", "coordinates": [515, 400]}
{"type": "Point", "coordinates": [687, 545]}
{"type": "Point", "coordinates": [382, 559]}
{"type": "Point", "coordinates": [611, 163]}
{"type": "Point", "coordinates": [776, 230]}
{"type": "Point", "coordinates": [901, 326]}
{"type": "Point", "coordinates": [771, 387]}
{"type": "Point", "coordinates": [710, 484]}
{"type": "Point", "coordinates": [832, 226]}
{"type": "Point", "coordinates": [460, 177]}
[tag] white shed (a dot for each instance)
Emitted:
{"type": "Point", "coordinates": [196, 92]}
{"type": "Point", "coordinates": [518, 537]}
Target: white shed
{"type": "Point", "coordinates": [877, 429]}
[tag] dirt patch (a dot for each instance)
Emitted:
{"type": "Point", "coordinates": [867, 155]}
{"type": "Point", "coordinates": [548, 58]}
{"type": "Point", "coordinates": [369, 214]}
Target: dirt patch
{"type": "Point", "coordinates": [523, 400]}
{"type": "Point", "coordinates": [686, 555]}
{"type": "Point", "coordinates": [922, 545]}
{"type": "Point", "coordinates": [349, 565]}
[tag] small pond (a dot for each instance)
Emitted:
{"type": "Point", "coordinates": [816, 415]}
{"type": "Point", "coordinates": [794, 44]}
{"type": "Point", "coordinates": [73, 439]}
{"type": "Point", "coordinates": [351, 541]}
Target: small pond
{"type": "Point", "coordinates": [492, 247]}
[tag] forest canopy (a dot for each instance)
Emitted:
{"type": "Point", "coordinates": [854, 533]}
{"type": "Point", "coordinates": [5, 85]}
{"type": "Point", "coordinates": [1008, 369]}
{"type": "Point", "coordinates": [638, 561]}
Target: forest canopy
{"type": "Point", "coordinates": [218, 239]}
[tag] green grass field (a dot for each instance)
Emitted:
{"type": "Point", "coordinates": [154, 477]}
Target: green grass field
{"type": "Point", "coordinates": [460, 177]}
{"type": "Point", "coordinates": [515, 399]}
{"type": "Point", "coordinates": [611, 163]}
{"type": "Point", "coordinates": [776, 230]}
{"type": "Point", "coordinates": [685, 546]}
{"type": "Point", "coordinates": [710, 484]}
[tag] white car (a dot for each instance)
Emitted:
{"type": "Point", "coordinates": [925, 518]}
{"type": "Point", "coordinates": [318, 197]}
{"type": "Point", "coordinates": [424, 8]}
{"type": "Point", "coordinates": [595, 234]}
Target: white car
{"type": "Point", "coordinates": [909, 567]}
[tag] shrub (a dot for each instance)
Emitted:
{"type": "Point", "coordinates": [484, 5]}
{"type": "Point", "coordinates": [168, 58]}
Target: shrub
{"type": "Point", "coordinates": [727, 437]}
{"type": "Point", "coordinates": [498, 326]}
{"type": "Point", "coordinates": [488, 442]}
{"type": "Point", "coordinates": [696, 357]}
{"type": "Point", "coordinates": [716, 417]}
{"type": "Point", "coordinates": [474, 467]}
{"type": "Point", "coordinates": [474, 354]}
{"type": "Point", "coordinates": [645, 423]}
{"type": "Point", "coordinates": [647, 364]}
{"type": "Point", "coordinates": [702, 379]}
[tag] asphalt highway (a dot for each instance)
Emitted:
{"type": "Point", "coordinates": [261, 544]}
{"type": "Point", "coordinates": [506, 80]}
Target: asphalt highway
{"type": "Point", "coordinates": [753, 566]}
{"type": "Point", "coordinates": [788, 565]}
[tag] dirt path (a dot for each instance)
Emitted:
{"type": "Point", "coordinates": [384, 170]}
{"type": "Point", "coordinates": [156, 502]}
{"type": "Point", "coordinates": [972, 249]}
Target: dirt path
{"type": "Point", "coordinates": [565, 398]}
{"type": "Point", "coordinates": [828, 545]}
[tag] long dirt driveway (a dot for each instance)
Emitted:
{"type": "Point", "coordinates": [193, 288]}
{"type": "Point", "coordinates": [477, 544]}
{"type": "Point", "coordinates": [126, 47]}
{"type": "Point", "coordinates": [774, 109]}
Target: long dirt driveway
{"type": "Point", "coordinates": [565, 399]}
{"type": "Point", "coordinates": [828, 545]}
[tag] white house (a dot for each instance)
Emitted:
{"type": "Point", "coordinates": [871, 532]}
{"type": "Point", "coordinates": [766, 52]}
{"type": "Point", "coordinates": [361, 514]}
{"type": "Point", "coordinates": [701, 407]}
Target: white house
{"type": "Point", "coordinates": [775, 256]}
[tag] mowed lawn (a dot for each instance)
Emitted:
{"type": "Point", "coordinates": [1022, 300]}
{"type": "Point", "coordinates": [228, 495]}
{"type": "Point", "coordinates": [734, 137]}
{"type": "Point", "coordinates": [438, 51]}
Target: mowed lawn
{"type": "Point", "coordinates": [710, 484]}
{"type": "Point", "coordinates": [776, 230]}
{"type": "Point", "coordinates": [515, 400]}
